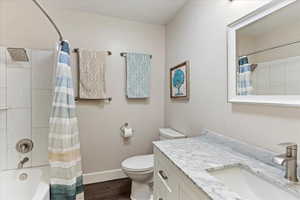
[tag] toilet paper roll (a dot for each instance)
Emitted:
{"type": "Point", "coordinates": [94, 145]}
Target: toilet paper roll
{"type": "Point", "coordinates": [127, 133]}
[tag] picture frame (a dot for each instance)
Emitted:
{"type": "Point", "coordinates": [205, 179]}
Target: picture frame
{"type": "Point", "coordinates": [180, 81]}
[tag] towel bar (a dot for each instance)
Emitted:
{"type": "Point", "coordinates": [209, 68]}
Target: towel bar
{"type": "Point", "coordinates": [105, 99]}
{"type": "Point", "coordinates": [124, 55]}
{"type": "Point", "coordinates": [77, 50]}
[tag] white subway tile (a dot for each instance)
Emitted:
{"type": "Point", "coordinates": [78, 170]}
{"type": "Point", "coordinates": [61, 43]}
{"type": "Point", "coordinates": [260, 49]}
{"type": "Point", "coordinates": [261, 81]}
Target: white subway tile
{"type": "Point", "coordinates": [18, 87]}
{"type": "Point", "coordinates": [277, 89]}
{"type": "Point", "coordinates": [3, 119]}
{"type": "Point", "coordinates": [2, 97]}
{"type": "Point", "coordinates": [2, 55]}
{"type": "Point", "coordinates": [41, 107]}
{"type": "Point", "coordinates": [40, 151]}
{"type": "Point", "coordinates": [277, 75]}
{"type": "Point", "coordinates": [3, 75]}
{"type": "Point", "coordinates": [3, 149]}
{"type": "Point", "coordinates": [18, 125]}
{"type": "Point", "coordinates": [293, 87]}
{"type": "Point", "coordinates": [292, 72]}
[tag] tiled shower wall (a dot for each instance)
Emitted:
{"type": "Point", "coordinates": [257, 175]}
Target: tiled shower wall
{"type": "Point", "coordinates": [2, 111]}
{"type": "Point", "coordinates": [28, 87]}
{"type": "Point", "coordinates": [278, 77]}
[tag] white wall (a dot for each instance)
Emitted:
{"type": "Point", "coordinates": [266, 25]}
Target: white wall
{"type": "Point", "coordinates": [245, 44]}
{"type": "Point", "coordinates": [99, 123]}
{"type": "Point", "coordinates": [198, 33]}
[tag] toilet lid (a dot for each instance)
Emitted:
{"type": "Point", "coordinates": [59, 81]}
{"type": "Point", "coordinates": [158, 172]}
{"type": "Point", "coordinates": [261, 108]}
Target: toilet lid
{"type": "Point", "coordinates": [139, 163]}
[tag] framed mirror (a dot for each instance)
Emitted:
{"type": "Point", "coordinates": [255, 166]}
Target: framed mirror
{"type": "Point", "coordinates": [264, 55]}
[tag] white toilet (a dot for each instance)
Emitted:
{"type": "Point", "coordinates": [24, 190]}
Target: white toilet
{"type": "Point", "coordinates": [140, 169]}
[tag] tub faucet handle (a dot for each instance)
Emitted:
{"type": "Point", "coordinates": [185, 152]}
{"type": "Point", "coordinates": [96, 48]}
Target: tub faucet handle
{"type": "Point", "coordinates": [22, 162]}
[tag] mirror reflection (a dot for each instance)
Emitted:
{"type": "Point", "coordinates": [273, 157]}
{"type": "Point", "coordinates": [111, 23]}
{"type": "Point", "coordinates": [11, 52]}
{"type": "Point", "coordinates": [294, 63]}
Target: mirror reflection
{"type": "Point", "coordinates": [269, 54]}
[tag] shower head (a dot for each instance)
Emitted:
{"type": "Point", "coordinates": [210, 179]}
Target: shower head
{"type": "Point", "coordinates": [18, 54]}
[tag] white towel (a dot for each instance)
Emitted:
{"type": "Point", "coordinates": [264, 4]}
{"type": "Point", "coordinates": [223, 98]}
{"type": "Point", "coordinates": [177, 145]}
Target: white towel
{"type": "Point", "coordinates": [92, 67]}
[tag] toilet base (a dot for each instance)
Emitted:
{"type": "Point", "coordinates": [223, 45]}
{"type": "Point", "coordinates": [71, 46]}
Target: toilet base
{"type": "Point", "coordinates": [141, 191]}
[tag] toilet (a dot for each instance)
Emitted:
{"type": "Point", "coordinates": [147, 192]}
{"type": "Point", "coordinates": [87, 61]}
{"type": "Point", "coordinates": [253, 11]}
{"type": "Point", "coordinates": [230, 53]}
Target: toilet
{"type": "Point", "coordinates": [140, 168]}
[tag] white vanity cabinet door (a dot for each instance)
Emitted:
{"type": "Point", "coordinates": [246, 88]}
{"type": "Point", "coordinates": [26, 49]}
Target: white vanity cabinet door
{"type": "Point", "coordinates": [171, 184]}
{"type": "Point", "coordinates": [160, 193]}
{"type": "Point", "coordinates": [186, 194]}
{"type": "Point", "coordinates": [165, 182]}
{"type": "Point", "coordinates": [187, 191]}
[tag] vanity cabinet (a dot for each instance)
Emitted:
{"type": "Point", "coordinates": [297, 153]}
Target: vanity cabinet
{"type": "Point", "coordinates": [171, 184]}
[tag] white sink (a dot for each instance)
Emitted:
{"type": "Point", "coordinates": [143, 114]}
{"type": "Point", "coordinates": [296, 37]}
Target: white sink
{"type": "Point", "coordinates": [250, 186]}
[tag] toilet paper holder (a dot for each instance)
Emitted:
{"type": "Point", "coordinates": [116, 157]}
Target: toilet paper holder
{"type": "Point", "coordinates": [124, 126]}
{"type": "Point", "coordinates": [123, 130]}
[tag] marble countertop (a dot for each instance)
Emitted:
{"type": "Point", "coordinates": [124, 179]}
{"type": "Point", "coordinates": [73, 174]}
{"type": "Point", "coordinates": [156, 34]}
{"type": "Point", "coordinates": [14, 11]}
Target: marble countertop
{"type": "Point", "coordinates": [195, 157]}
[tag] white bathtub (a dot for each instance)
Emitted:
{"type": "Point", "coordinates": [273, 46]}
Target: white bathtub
{"type": "Point", "coordinates": [35, 187]}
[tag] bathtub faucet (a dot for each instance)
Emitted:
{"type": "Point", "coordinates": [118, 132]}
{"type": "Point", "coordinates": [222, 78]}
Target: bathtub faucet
{"type": "Point", "coordinates": [22, 162]}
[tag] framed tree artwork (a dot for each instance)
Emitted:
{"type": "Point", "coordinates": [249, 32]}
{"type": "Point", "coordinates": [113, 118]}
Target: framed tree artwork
{"type": "Point", "coordinates": [180, 81]}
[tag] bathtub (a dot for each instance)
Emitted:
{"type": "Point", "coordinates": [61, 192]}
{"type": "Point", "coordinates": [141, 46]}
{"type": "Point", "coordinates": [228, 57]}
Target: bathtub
{"type": "Point", "coordinates": [25, 184]}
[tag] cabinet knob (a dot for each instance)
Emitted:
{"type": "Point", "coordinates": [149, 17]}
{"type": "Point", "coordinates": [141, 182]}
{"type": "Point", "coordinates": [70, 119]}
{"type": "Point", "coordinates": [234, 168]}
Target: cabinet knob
{"type": "Point", "coordinates": [163, 174]}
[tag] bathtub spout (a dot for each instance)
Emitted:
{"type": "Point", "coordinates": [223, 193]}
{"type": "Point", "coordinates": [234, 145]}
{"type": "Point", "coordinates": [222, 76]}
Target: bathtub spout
{"type": "Point", "coordinates": [22, 162]}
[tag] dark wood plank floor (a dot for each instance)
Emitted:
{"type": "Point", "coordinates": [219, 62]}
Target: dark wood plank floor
{"type": "Point", "coordinates": [110, 190]}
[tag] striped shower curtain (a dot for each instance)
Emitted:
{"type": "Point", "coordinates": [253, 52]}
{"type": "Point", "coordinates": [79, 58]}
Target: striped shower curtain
{"type": "Point", "coordinates": [244, 83]}
{"type": "Point", "coordinates": [64, 147]}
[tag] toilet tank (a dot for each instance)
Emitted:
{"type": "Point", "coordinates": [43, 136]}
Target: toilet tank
{"type": "Point", "coordinates": [168, 134]}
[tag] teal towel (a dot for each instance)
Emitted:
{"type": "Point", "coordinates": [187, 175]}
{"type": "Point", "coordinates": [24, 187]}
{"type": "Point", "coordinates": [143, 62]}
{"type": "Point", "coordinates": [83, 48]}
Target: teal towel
{"type": "Point", "coordinates": [138, 75]}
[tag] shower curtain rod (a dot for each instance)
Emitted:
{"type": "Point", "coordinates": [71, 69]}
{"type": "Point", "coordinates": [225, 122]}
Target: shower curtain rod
{"type": "Point", "coordinates": [50, 19]}
{"type": "Point", "coordinates": [272, 48]}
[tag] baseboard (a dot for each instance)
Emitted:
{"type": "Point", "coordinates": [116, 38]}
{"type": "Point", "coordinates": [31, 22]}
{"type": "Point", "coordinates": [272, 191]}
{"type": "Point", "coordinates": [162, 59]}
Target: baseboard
{"type": "Point", "coordinates": [98, 177]}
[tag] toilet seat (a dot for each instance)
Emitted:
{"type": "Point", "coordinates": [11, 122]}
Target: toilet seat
{"type": "Point", "coordinates": [139, 163]}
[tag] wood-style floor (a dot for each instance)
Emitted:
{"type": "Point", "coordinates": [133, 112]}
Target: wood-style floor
{"type": "Point", "coordinates": [110, 190]}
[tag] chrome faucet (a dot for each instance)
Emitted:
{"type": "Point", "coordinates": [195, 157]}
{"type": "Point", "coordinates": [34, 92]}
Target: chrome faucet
{"type": "Point", "coordinates": [289, 160]}
{"type": "Point", "coordinates": [22, 162]}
